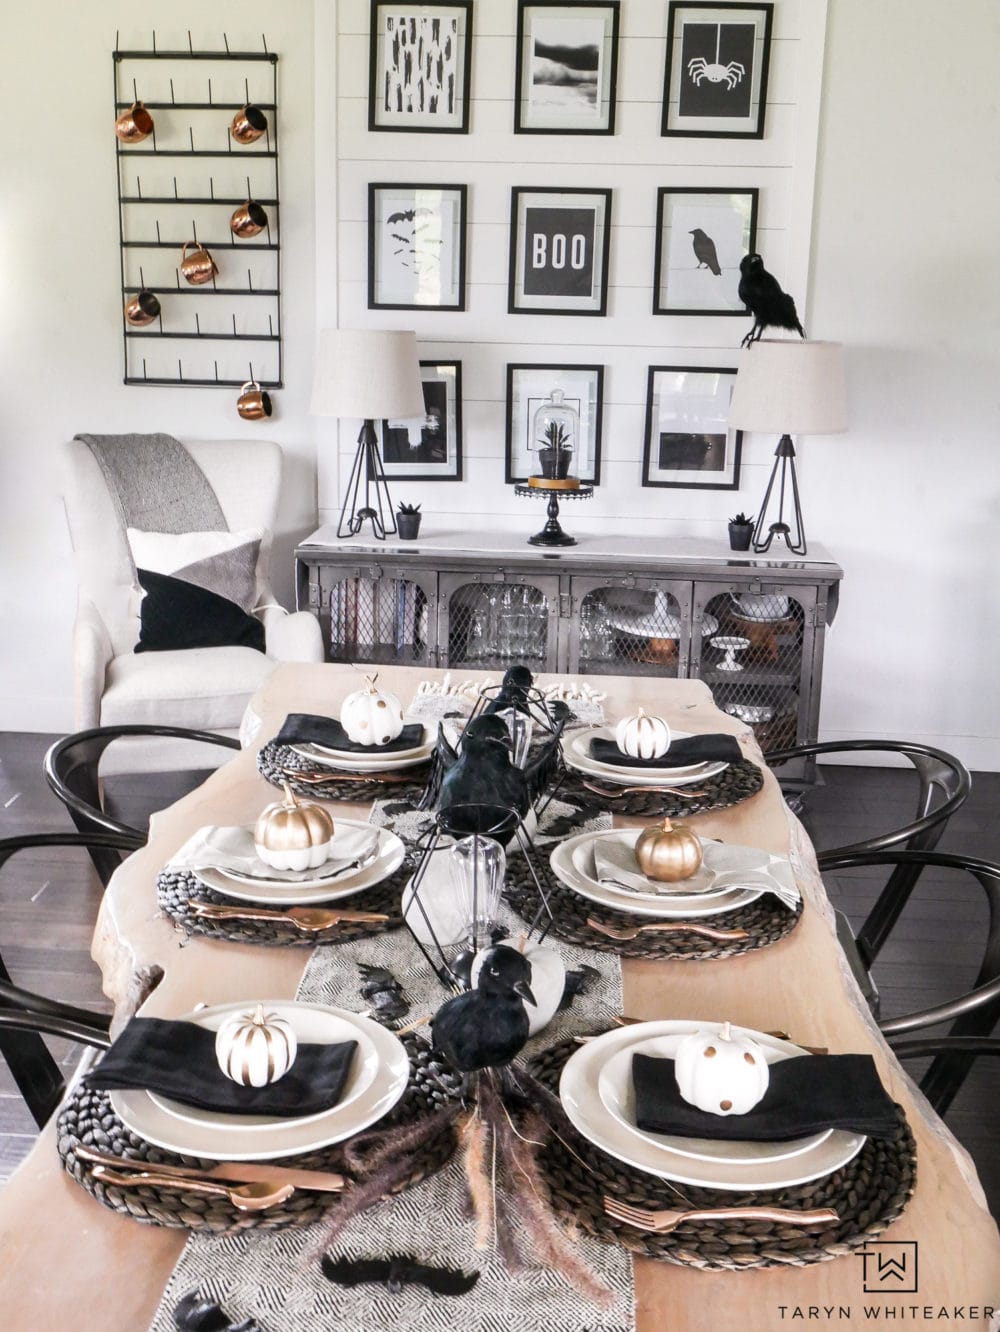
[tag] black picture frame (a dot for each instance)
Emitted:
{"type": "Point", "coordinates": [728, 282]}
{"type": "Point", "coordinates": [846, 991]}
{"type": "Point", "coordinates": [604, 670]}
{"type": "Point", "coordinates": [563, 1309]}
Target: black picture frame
{"type": "Point", "coordinates": [698, 87]}
{"type": "Point", "coordinates": [574, 96]}
{"type": "Point", "coordinates": [424, 459]}
{"type": "Point", "coordinates": [528, 384]}
{"type": "Point", "coordinates": [568, 233]}
{"type": "Point", "coordinates": [404, 280]}
{"type": "Point", "coordinates": [392, 106]}
{"type": "Point", "coordinates": [685, 272]}
{"type": "Point", "coordinates": [671, 457]}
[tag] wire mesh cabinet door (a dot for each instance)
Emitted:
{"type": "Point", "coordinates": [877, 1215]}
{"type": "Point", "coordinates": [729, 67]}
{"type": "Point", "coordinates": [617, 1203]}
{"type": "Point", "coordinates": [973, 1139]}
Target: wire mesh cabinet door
{"type": "Point", "coordinates": [492, 620]}
{"type": "Point", "coordinates": [376, 613]}
{"type": "Point", "coordinates": [629, 626]}
{"type": "Point", "coordinates": [756, 646]}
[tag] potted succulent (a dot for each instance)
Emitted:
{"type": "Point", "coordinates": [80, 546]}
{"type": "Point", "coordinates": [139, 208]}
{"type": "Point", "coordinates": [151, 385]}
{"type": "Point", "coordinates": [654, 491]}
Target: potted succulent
{"type": "Point", "coordinates": [555, 451]}
{"type": "Point", "coordinates": [408, 521]}
{"type": "Point", "coordinates": [740, 532]}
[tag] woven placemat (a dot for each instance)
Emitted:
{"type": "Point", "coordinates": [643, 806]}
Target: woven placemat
{"type": "Point", "coordinates": [87, 1118]}
{"type": "Point", "coordinates": [736, 783]}
{"type": "Point", "coordinates": [175, 888]}
{"type": "Point", "coordinates": [765, 921]}
{"type": "Point", "coordinates": [869, 1193]}
{"type": "Point", "coordinates": [279, 764]}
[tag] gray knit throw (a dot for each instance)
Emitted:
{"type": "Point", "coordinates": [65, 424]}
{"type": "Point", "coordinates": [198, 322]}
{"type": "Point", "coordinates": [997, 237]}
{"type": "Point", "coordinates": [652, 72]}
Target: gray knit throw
{"type": "Point", "coordinates": [156, 485]}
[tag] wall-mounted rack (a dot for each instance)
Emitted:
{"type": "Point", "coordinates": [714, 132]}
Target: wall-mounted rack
{"type": "Point", "coordinates": [192, 108]}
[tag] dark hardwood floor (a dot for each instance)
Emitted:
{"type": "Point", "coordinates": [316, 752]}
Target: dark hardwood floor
{"type": "Point", "coordinates": [48, 902]}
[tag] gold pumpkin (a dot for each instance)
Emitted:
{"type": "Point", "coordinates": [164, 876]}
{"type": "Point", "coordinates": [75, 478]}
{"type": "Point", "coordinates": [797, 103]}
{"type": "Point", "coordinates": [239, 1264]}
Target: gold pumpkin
{"type": "Point", "coordinates": [293, 834]}
{"type": "Point", "coordinates": [668, 852]}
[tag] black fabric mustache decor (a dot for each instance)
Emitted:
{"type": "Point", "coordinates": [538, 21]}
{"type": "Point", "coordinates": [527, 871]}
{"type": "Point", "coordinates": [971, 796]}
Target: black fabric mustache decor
{"type": "Point", "coordinates": [396, 1271]}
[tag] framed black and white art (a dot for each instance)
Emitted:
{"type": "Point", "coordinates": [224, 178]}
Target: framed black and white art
{"type": "Point", "coordinates": [715, 73]}
{"type": "Point", "coordinates": [567, 67]}
{"type": "Point", "coordinates": [428, 448]}
{"type": "Point", "coordinates": [689, 444]}
{"type": "Point", "coordinates": [528, 387]}
{"type": "Point", "coordinates": [701, 236]}
{"type": "Point", "coordinates": [559, 243]}
{"type": "Point", "coordinates": [416, 247]}
{"type": "Point", "coordinates": [419, 63]}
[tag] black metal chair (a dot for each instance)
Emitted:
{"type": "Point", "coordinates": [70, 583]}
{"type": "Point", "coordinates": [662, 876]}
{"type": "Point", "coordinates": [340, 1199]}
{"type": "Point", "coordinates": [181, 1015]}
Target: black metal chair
{"type": "Point", "coordinates": [972, 1015]}
{"type": "Point", "coordinates": [71, 770]}
{"type": "Point", "coordinates": [24, 1015]}
{"type": "Point", "coordinates": [944, 785]}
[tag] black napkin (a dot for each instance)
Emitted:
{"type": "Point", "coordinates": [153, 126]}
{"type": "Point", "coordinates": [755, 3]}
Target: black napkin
{"type": "Point", "coordinates": [308, 728]}
{"type": "Point", "coordinates": [804, 1096]}
{"type": "Point", "coordinates": [692, 749]}
{"type": "Point", "coordinates": [177, 1059]}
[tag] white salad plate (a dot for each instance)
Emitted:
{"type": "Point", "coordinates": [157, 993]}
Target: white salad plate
{"type": "Point", "coordinates": [618, 1097]}
{"type": "Point", "coordinates": [580, 744]}
{"type": "Point", "coordinates": [669, 906]}
{"type": "Point", "coordinates": [580, 1093]}
{"type": "Point", "coordinates": [214, 1138]}
{"type": "Point", "coordinates": [331, 1030]}
{"type": "Point", "coordinates": [276, 892]}
{"type": "Point", "coordinates": [723, 865]}
{"type": "Point", "coordinates": [342, 761]}
{"type": "Point", "coordinates": [689, 775]}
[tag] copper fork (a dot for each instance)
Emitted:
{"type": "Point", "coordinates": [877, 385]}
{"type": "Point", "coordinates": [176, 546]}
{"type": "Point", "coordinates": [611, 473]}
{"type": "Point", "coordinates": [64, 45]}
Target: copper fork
{"type": "Point", "coordinates": [308, 920]}
{"type": "Point", "coordinates": [256, 1197]}
{"type": "Point", "coordinates": [311, 778]}
{"type": "Point", "coordinates": [626, 932]}
{"type": "Point", "coordinates": [662, 1220]}
{"type": "Point", "coordinates": [618, 792]}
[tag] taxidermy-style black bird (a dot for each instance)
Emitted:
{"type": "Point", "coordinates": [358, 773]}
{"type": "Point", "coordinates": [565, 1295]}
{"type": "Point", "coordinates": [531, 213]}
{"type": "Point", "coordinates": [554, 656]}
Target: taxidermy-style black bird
{"type": "Point", "coordinates": [384, 992]}
{"type": "Point", "coordinates": [395, 1271]}
{"type": "Point", "coordinates": [704, 251]}
{"type": "Point", "coordinates": [487, 1026]}
{"type": "Point", "coordinates": [483, 774]}
{"type": "Point", "coordinates": [514, 687]}
{"type": "Point", "coordinates": [196, 1313]}
{"type": "Point", "coordinates": [762, 295]}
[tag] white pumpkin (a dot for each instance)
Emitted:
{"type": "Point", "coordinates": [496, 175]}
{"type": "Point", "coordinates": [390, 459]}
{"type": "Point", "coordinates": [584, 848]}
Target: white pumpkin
{"type": "Point", "coordinates": [293, 834]}
{"type": "Point", "coordinates": [548, 984]}
{"type": "Point", "coordinates": [371, 716]}
{"type": "Point", "coordinates": [721, 1073]}
{"type": "Point", "coordinates": [255, 1049]}
{"type": "Point", "coordinates": [642, 737]}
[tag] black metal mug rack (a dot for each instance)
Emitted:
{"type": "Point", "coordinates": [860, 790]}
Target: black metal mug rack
{"type": "Point", "coordinates": [157, 215]}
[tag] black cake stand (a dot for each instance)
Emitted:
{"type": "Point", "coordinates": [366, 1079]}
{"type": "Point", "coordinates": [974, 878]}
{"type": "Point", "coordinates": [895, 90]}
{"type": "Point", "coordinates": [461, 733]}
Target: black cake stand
{"type": "Point", "coordinates": [552, 534]}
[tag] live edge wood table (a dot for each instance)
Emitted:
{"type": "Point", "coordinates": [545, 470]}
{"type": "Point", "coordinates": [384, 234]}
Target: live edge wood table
{"type": "Point", "coordinates": [68, 1263]}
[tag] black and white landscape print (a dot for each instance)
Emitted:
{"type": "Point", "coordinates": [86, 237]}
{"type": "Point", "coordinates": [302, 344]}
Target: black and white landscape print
{"type": "Point", "coordinates": [418, 67]}
{"type": "Point", "coordinates": [565, 69]}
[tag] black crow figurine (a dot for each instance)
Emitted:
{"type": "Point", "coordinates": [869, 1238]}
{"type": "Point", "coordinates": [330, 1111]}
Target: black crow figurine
{"type": "Point", "coordinates": [770, 306]}
{"type": "Point", "coordinates": [704, 251]}
{"type": "Point", "coordinates": [487, 1026]}
{"type": "Point", "coordinates": [513, 693]}
{"type": "Point", "coordinates": [396, 1271]}
{"type": "Point", "coordinates": [484, 775]}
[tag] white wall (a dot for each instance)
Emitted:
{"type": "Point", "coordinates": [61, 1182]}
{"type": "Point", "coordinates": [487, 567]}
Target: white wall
{"type": "Point", "coordinates": [903, 271]}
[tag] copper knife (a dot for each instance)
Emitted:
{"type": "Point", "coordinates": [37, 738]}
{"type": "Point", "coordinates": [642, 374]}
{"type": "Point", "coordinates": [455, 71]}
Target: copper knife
{"type": "Point", "coordinates": [239, 1172]}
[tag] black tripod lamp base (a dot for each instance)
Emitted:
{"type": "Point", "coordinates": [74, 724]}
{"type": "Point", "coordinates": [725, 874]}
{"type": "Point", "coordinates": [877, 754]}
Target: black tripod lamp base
{"type": "Point", "coordinates": [782, 473]}
{"type": "Point", "coordinates": [366, 498]}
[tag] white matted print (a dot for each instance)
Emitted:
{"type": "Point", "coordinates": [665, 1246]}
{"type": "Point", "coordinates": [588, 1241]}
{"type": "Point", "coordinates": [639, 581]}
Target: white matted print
{"type": "Point", "coordinates": [429, 447]}
{"type": "Point", "coordinates": [566, 67]}
{"type": "Point", "coordinates": [419, 67]}
{"type": "Point", "coordinates": [528, 387]}
{"type": "Point", "coordinates": [701, 236]}
{"type": "Point", "coordinates": [689, 443]}
{"type": "Point", "coordinates": [416, 247]}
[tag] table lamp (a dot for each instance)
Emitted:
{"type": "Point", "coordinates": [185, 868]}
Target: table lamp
{"type": "Point", "coordinates": [374, 375]}
{"type": "Point", "coordinates": [788, 388]}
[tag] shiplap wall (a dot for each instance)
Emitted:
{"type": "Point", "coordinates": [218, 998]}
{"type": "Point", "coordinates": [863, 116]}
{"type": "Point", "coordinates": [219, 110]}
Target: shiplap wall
{"type": "Point", "coordinates": [634, 162]}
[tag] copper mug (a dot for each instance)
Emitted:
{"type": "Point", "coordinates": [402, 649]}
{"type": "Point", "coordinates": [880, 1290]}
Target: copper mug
{"type": "Point", "coordinates": [198, 267]}
{"type": "Point", "coordinates": [248, 220]}
{"type": "Point", "coordinates": [249, 124]}
{"type": "Point", "coordinates": [135, 124]}
{"type": "Point", "coordinates": [142, 308]}
{"type": "Point", "coordinates": [254, 403]}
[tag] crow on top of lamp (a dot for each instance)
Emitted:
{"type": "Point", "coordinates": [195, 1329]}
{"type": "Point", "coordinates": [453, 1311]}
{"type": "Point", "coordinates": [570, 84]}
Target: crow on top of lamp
{"type": "Point", "coordinates": [762, 295]}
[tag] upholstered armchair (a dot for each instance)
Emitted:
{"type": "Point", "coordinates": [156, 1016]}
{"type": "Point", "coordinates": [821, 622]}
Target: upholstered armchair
{"type": "Point", "coordinates": [202, 688]}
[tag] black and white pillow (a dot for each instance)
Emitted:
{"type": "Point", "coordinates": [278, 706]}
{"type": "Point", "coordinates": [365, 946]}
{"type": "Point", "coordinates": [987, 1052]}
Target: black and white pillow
{"type": "Point", "coordinates": [220, 562]}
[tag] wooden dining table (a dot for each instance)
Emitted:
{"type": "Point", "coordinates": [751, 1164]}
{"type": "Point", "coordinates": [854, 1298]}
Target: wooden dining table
{"type": "Point", "coordinates": [67, 1262]}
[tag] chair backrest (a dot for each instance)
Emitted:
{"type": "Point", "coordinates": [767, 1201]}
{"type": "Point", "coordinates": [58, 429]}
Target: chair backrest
{"type": "Point", "coordinates": [944, 785]}
{"type": "Point", "coordinates": [24, 1014]}
{"type": "Point", "coordinates": [246, 477]}
{"type": "Point", "coordinates": [973, 1014]}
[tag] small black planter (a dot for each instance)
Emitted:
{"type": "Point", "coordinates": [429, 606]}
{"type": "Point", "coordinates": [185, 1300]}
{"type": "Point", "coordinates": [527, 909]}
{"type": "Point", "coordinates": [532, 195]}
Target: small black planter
{"type": "Point", "coordinates": [408, 525]}
{"type": "Point", "coordinates": [554, 463]}
{"type": "Point", "coordinates": [740, 535]}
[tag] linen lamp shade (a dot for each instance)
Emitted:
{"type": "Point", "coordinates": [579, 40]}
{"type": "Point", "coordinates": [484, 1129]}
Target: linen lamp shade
{"type": "Point", "coordinates": [367, 374]}
{"type": "Point", "coordinates": [790, 388]}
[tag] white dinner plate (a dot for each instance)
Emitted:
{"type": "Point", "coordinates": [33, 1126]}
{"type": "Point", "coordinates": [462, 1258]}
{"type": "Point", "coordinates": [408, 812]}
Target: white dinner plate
{"type": "Point", "coordinates": [376, 753]}
{"type": "Point", "coordinates": [658, 623]}
{"type": "Point", "coordinates": [580, 744]}
{"type": "Point", "coordinates": [580, 1093]}
{"type": "Point", "coordinates": [720, 862]}
{"type": "Point", "coordinates": [664, 908]}
{"type": "Point", "coordinates": [329, 1029]}
{"type": "Point", "coordinates": [216, 1142]}
{"type": "Point", "coordinates": [637, 776]}
{"type": "Point", "coordinates": [618, 1097]}
{"type": "Point", "coordinates": [387, 859]}
{"type": "Point", "coordinates": [344, 761]}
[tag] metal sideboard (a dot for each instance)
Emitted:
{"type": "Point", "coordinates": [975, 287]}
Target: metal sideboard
{"type": "Point", "coordinates": [752, 627]}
